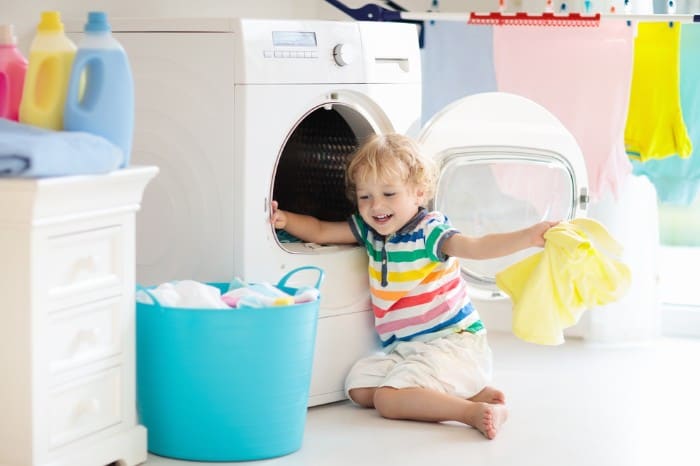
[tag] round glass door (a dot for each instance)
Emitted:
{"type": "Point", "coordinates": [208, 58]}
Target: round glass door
{"type": "Point", "coordinates": [496, 191]}
{"type": "Point", "coordinates": [310, 174]}
{"type": "Point", "coordinates": [505, 162]}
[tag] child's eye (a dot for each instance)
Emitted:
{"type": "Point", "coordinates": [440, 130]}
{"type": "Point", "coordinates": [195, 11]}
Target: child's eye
{"type": "Point", "coordinates": [364, 197]}
{"type": "Point", "coordinates": [389, 194]}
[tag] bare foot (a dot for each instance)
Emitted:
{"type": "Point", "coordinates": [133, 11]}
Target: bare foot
{"type": "Point", "coordinates": [489, 395]}
{"type": "Point", "coordinates": [487, 418]}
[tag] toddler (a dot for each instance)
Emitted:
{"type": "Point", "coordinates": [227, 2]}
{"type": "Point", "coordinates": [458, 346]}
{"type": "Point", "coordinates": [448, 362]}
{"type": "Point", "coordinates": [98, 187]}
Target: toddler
{"type": "Point", "coordinates": [436, 362]}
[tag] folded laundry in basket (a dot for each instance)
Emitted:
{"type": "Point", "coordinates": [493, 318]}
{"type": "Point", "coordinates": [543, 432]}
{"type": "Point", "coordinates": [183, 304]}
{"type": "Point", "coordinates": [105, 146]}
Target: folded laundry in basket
{"type": "Point", "coordinates": [242, 294]}
{"type": "Point", "coordinates": [31, 152]}
{"type": "Point", "coordinates": [196, 295]}
{"type": "Point", "coordinates": [184, 293]}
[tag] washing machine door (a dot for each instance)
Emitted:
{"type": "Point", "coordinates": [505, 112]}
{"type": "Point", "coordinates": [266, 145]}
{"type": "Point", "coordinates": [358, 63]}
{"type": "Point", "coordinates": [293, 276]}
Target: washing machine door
{"type": "Point", "coordinates": [505, 163]}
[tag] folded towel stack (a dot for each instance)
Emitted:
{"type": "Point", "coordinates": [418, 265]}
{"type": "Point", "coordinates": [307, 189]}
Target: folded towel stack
{"type": "Point", "coordinates": [32, 152]}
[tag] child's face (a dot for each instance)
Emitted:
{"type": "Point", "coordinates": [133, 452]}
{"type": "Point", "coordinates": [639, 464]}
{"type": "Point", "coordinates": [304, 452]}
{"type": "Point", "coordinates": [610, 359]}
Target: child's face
{"type": "Point", "coordinates": [387, 207]}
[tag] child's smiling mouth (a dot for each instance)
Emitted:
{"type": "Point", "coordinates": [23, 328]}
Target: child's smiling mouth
{"type": "Point", "coordinates": [382, 218]}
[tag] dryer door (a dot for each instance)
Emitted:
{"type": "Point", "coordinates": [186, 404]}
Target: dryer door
{"type": "Point", "coordinates": [505, 163]}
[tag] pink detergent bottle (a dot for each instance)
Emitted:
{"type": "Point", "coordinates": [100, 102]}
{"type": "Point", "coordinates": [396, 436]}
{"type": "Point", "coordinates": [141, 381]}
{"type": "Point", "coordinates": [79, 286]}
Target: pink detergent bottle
{"type": "Point", "coordinates": [13, 68]}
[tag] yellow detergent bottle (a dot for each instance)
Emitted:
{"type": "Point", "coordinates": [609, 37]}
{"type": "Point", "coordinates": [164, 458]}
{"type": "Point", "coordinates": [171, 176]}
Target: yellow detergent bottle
{"type": "Point", "coordinates": [46, 84]}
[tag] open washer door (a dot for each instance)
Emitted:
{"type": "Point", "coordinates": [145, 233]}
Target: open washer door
{"type": "Point", "coordinates": [505, 163]}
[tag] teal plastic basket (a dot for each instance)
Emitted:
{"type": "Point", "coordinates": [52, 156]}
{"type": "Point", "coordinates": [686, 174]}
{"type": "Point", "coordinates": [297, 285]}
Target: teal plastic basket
{"type": "Point", "coordinates": [225, 385]}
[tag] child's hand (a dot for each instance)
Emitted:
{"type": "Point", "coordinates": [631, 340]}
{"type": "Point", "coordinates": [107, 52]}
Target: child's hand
{"type": "Point", "coordinates": [537, 231]}
{"type": "Point", "coordinates": [278, 218]}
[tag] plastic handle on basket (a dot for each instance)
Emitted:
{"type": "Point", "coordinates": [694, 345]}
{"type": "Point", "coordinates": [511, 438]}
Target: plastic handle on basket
{"type": "Point", "coordinates": [145, 290]}
{"type": "Point", "coordinates": [283, 280]}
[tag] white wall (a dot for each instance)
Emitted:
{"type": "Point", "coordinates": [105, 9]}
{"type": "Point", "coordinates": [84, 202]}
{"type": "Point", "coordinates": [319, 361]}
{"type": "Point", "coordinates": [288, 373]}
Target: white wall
{"type": "Point", "coordinates": [25, 14]}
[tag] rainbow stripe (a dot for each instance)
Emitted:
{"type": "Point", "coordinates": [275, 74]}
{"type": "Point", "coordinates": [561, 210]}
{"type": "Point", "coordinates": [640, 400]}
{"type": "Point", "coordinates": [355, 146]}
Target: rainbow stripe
{"type": "Point", "coordinates": [418, 291]}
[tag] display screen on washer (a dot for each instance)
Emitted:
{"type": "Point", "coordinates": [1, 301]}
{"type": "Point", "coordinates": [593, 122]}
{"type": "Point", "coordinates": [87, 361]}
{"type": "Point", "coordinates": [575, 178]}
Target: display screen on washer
{"type": "Point", "coordinates": [293, 39]}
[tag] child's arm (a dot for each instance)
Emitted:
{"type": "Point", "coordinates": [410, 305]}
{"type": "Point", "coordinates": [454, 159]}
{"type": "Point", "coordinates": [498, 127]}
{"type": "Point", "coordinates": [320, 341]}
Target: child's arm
{"type": "Point", "coordinates": [496, 244]}
{"type": "Point", "coordinates": [311, 229]}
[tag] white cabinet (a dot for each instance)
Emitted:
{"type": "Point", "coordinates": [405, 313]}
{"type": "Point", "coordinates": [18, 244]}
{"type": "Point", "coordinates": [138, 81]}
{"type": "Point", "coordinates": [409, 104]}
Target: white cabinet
{"type": "Point", "coordinates": [67, 327]}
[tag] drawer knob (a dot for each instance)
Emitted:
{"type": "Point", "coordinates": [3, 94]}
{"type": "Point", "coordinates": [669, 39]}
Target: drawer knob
{"type": "Point", "coordinates": [85, 337]}
{"type": "Point", "coordinates": [86, 408]}
{"type": "Point", "coordinates": [88, 264]}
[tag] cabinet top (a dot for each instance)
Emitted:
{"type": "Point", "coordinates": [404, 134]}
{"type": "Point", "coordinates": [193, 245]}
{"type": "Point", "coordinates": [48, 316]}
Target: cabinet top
{"type": "Point", "coordinates": [46, 200]}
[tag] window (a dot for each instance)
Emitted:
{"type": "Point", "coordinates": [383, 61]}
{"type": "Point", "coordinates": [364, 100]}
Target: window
{"type": "Point", "coordinates": [679, 268]}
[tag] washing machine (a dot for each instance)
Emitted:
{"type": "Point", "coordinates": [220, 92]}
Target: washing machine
{"type": "Point", "coordinates": [237, 112]}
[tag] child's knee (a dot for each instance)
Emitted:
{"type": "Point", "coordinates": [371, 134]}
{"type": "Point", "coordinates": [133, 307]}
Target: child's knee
{"type": "Point", "coordinates": [383, 401]}
{"type": "Point", "coordinates": [363, 396]}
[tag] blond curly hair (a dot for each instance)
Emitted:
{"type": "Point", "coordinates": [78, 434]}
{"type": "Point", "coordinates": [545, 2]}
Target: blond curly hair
{"type": "Point", "coordinates": [390, 158]}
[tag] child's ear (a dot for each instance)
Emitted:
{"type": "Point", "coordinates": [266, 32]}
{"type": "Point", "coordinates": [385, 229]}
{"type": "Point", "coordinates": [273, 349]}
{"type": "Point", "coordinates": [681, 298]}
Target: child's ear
{"type": "Point", "coordinates": [420, 195]}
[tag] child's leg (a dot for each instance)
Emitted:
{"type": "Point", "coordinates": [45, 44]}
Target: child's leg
{"type": "Point", "coordinates": [365, 396]}
{"type": "Point", "coordinates": [421, 404]}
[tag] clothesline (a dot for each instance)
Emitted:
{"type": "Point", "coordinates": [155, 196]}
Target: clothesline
{"type": "Point", "coordinates": [374, 12]}
{"type": "Point", "coordinates": [634, 100]}
{"type": "Point", "coordinates": [468, 17]}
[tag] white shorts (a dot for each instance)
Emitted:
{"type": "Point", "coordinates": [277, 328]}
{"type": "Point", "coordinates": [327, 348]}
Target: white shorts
{"type": "Point", "coordinates": [458, 364]}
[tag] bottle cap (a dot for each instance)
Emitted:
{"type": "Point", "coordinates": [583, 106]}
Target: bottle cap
{"type": "Point", "coordinates": [50, 22]}
{"type": "Point", "coordinates": [97, 22]}
{"type": "Point", "coordinates": [7, 34]}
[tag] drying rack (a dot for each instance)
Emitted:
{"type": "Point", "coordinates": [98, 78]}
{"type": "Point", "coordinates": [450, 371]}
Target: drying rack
{"type": "Point", "coordinates": [374, 12]}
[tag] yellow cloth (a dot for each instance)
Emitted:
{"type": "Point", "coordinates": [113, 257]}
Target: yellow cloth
{"type": "Point", "coordinates": [551, 289]}
{"type": "Point", "coordinates": [655, 128]}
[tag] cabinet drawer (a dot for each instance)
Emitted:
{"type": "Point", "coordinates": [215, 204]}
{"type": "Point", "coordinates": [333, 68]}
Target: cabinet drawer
{"type": "Point", "coordinates": [91, 404]}
{"type": "Point", "coordinates": [85, 334]}
{"type": "Point", "coordinates": [84, 266]}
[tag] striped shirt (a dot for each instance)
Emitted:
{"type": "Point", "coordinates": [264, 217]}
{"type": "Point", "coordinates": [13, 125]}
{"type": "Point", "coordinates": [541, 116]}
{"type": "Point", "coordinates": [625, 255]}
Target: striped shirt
{"type": "Point", "coordinates": [417, 292]}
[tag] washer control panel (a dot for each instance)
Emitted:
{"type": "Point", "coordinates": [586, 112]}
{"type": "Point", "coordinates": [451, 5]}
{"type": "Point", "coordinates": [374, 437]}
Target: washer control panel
{"type": "Point", "coordinates": [299, 51]}
{"type": "Point", "coordinates": [290, 54]}
{"type": "Point", "coordinates": [292, 44]}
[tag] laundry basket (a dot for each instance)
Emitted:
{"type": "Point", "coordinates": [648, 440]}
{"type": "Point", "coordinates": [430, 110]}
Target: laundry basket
{"type": "Point", "coordinates": [225, 385]}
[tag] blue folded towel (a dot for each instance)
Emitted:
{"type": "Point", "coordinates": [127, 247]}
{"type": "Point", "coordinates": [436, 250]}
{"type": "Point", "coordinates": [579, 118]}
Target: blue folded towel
{"type": "Point", "coordinates": [31, 152]}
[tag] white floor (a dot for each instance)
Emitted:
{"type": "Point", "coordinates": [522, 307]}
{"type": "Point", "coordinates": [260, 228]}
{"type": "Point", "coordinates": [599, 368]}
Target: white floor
{"type": "Point", "coordinates": [570, 405]}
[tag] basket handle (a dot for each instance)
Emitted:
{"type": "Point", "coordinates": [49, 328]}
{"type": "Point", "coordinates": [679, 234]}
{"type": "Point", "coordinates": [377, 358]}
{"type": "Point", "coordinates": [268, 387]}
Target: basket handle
{"type": "Point", "coordinates": [150, 295]}
{"type": "Point", "coordinates": [321, 274]}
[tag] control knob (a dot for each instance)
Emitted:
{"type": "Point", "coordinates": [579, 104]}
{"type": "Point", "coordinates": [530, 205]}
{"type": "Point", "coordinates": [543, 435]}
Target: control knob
{"type": "Point", "coordinates": [343, 54]}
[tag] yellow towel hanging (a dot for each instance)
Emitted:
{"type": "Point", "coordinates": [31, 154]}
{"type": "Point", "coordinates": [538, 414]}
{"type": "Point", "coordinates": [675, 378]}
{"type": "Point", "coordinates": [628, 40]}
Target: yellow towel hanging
{"type": "Point", "coordinates": [655, 127]}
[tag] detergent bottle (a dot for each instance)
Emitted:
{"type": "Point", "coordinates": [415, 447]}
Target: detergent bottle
{"type": "Point", "coordinates": [13, 68]}
{"type": "Point", "coordinates": [106, 104]}
{"type": "Point", "coordinates": [50, 59]}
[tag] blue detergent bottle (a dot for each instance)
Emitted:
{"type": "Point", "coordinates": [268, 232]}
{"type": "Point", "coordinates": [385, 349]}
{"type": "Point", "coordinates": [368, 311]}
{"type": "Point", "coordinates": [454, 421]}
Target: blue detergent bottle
{"type": "Point", "coordinates": [100, 96]}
